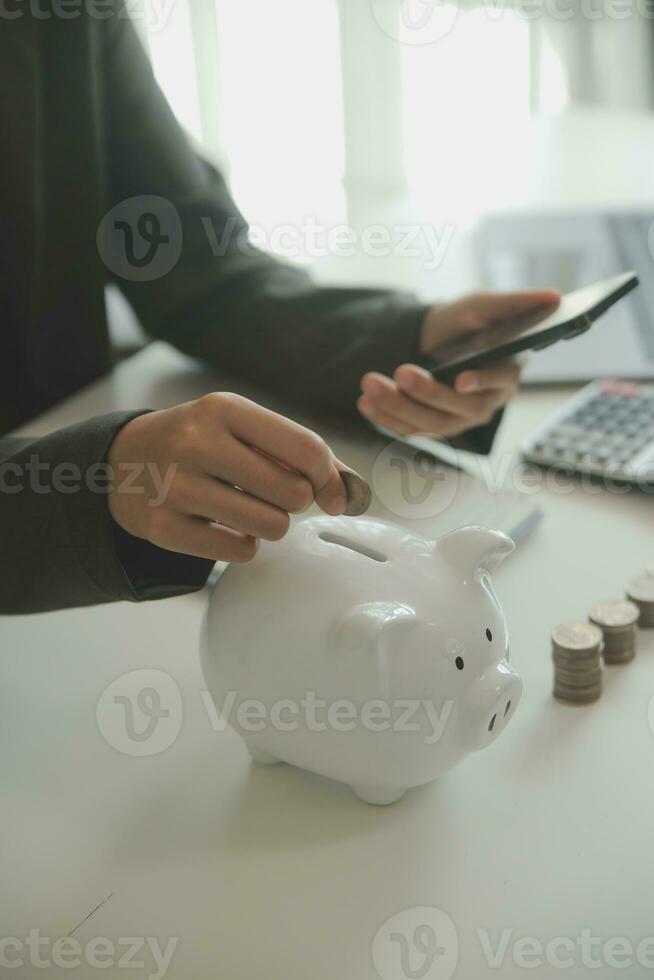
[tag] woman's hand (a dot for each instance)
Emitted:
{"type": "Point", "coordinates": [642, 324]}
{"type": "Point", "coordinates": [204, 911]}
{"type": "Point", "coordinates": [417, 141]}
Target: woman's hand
{"type": "Point", "coordinates": [414, 402]}
{"type": "Point", "coordinates": [217, 474]}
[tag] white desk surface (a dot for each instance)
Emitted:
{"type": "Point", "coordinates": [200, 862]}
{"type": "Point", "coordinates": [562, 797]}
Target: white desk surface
{"type": "Point", "coordinates": [279, 874]}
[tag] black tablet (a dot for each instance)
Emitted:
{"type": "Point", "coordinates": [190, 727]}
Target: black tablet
{"type": "Point", "coordinates": [575, 314]}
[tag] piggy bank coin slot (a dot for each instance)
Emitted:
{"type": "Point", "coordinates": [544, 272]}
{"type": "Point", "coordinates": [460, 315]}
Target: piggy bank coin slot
{"type": "Point", "coordinates": [353, 546]}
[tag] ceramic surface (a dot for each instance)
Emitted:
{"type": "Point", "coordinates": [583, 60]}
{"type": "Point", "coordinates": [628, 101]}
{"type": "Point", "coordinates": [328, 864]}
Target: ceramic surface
{"type": "Point", "coordinates": [359, 651]}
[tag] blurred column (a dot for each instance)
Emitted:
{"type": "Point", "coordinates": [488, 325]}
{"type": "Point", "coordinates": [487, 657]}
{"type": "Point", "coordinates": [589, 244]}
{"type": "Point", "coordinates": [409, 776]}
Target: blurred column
{"type": "Point", "coordinates": [204, 30]}
{"type": "Point", "coordinates": [372, 96]}
{"type": "Point", "coordinates": [607, 60]}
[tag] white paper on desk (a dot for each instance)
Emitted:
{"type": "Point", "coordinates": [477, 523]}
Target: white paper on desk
{"type": "Point", "coordinates": [480, 494]}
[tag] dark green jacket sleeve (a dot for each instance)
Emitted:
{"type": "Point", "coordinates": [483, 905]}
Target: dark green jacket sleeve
{"type": "Point", "coordinates": [225, 301]}
{"type": "Point", "coordinates": [60, 546]}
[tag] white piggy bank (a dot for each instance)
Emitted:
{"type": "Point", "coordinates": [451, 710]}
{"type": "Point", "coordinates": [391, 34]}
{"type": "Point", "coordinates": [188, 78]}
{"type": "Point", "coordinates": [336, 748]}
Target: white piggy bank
{"type": "Point", "coordinates": [356, 650]}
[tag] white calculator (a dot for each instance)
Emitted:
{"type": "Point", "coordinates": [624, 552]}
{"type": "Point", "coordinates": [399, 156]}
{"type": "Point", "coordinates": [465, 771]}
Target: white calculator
{"type": "Point", "coordinates": [607, 429]}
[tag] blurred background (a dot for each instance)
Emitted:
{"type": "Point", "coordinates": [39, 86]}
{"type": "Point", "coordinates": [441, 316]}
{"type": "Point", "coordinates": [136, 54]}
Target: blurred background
{"type": "Point", "coordinates": [412, 114]}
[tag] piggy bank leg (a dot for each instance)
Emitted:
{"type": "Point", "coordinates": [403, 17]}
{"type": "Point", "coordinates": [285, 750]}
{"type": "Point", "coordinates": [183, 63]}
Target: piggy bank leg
{"type": "Point", "coordinates": [378, 795]}
{"type": "Point", "coordinates": [262, 758]}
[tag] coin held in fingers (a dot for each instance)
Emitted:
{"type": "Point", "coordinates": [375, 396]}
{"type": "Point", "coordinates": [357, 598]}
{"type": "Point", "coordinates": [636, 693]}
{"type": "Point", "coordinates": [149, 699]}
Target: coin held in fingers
{"type": "Point", "coordinates": [359, 494]}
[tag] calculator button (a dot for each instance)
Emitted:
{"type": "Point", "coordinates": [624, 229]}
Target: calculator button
{"type": "Point", "coordinates": [623, 389]}
{"type": "Point", "coordinates": [604, 433]}
{"type": "Point", "coordinates": [623, 456]}
{"type": "Point", "coordinates": [569, 431]}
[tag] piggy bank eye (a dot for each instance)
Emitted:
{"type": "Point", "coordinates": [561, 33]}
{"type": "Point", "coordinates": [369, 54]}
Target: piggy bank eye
{"type": "Point", "coordinates": [459, 663]}
{"type": "Point", "coordinates": [489, 636]}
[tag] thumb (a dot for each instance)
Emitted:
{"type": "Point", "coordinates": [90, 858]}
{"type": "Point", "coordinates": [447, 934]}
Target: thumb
{"type": "Point", "coordinates": [448, 322]}
{"type": "Point", "coordinates": [489, 307]}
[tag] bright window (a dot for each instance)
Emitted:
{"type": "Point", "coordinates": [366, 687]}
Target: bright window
{"type": "Point", "coordinates": [465, 104]}
{"type": "Point", "coordinates": [282, 104]}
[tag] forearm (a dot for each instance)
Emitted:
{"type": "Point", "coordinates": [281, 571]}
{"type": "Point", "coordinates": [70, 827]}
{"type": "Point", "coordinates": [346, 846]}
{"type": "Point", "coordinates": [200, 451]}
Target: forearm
{"type": "Point", "coordinates": [60, 546]}
{"type": "Point", "coordinates": [311, 343]}
{"type": "Point", "coordinates": [275, 328]}
{"type": "Point", "coordinates": [224, 301]}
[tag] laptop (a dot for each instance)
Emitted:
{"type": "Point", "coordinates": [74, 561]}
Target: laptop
{"type": "Point", "coordinates": [568, 250]}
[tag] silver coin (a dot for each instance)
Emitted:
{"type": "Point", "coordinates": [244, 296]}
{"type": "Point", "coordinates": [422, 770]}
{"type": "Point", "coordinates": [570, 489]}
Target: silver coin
{"type": "Point", "coordinates": [359, 494]}
{"type": "Point", "coordinates": [619, 656]}
{"type": "Point", "coordinates": [577, 670]}
{"type": "Point", "coordinates": [641, 590]}
{"type": "Point", "coordinates": [577, 685]}
{"type": "Point", "coordinates": [578, 697]}
{"type": "Point", "coordinates": [574, 670]}
{"type": "Point", "coordinates": [576, 690]}
{"type": "Point", "coordinates": [618, 638]}
{"type": "Point", "coordinates": [646, 620]}
{"type": "Point", "coordinates": [578, 677]}
{"type": "Point", "coordinates": [576, 636]}
{"type": "Point", "coordinates": [576, 657]}
{"type": "Point", "coordinates": [612, 614]}
{"type": "Point", "coordinates": [588, 693]}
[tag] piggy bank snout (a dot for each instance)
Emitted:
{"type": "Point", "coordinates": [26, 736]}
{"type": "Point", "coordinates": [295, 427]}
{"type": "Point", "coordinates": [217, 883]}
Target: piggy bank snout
{"type": "Point", "coordinates": [491, 704]}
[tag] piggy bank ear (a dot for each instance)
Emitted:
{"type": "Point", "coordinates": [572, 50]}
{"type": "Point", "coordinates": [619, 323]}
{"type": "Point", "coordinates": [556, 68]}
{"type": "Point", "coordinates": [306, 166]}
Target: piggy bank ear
{"type": "Point", "coordinates": [470, 550]}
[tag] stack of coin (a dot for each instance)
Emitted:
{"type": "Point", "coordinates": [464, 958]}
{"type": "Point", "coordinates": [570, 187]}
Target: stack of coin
{"type": "Point", "coordinates": [641, 593]}
{"type": "Point", "coordinates": [577, 667]}
{"type": "Point", "coordinates": [617, 619]}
